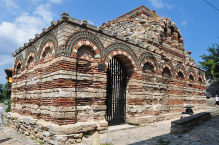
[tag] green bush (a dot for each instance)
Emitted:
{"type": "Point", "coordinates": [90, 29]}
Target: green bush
{"type": "Point", "coordinates": [9, 106]}
{"type": "Point", "coordinates": [4, 93]}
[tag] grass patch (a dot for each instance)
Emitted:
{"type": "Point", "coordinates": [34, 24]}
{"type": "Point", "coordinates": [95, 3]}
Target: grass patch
{"type": "Point", "coordinates": [106, 144]}
{"type": "Point", "coordinates": [42, 142]}
{"type": "Point", "coordinates": [86, 135]}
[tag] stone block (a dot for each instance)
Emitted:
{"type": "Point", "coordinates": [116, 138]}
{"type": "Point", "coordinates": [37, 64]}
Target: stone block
{"type": "Point", "coordinates": [69, 114]}
{"type": "Point", "coordinates": [57, 114]}
{"type": "Point", "coordinates": [102, 125]}
{"type": "Point", "coordinates": [74, 128]}
{"type": "Point", "coordinates": [141, 120]}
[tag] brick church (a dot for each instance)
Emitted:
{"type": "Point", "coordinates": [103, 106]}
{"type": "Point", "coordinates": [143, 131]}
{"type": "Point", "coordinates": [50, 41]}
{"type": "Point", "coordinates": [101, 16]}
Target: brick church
{"type": "Point", "coordinates": [75, 78]}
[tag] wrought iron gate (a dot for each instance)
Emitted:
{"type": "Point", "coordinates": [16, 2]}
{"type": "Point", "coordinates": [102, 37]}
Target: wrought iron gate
{"type": "Point", "coordinates": [116, 92]}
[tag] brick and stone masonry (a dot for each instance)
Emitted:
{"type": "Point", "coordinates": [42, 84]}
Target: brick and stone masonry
{"type": "Point", "coordinates": [59, 89]}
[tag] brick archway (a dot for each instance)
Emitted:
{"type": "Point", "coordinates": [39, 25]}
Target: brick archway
{"type": "Point", "coordinates": [30, 64]}
{"type": "Point", "coordinates": [151, 61]}
{"type": "Point", "coordinates": [89, 44]}
{"type": "Point", "coordinates": [48, 45]}
{"type": "Point", "coordinates": [80, 38]}
{"type": "Point", "coordinates": [121, 53]}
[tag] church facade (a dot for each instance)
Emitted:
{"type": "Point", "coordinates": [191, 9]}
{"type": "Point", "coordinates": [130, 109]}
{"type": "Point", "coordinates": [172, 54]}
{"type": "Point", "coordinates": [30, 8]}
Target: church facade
{"type": "Point", "coordinates": [75, 78]}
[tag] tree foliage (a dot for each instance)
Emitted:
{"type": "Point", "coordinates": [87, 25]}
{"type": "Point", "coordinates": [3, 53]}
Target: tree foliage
{"type": "Point", "coordinates": [4, 92]}
{"type": "Point", "coordinates": [210, 63]}
{"type": "Point", "coordinates": [1, 88]}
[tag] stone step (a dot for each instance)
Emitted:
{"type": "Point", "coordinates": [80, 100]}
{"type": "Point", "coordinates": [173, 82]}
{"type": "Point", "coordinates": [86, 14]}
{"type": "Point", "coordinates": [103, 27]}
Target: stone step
{"type": "Point", "coordinates": [121, 127]}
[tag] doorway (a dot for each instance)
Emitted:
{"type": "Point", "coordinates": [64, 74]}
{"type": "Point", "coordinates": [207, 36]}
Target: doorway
{"type": "Point", "coordinates": [116, 92]}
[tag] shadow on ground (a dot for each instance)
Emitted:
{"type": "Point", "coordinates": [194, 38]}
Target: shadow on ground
{"type": "Point", "coordinates": [205, 134]}
{"type": "Point", "coordinates": [4, 140]}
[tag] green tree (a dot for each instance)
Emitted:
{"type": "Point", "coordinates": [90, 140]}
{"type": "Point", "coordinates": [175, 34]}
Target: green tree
{"type": "Point", "coordinates": [1, 91]}
{"type": "Point", "coordinates": [210, 63]}
{"type": "Point", "coordinates": [1, 88]}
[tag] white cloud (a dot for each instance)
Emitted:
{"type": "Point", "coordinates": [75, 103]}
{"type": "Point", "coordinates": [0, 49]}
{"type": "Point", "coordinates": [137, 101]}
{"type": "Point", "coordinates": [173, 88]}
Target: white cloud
{"type": "Point", "coordinates": [56, 1]}
{"type": "Point", "coordinates": [49, 1]}
{"type": "Point", "coordinates": [160, 4]}
{"type": "Point", "coordinates": [184, 22]}
{"type": "Point", "coordinates": [44, 12]}
{"type": "Point", "coordinates": [10, 4]}
{"type": "Point", "coordinates": [26, 25]}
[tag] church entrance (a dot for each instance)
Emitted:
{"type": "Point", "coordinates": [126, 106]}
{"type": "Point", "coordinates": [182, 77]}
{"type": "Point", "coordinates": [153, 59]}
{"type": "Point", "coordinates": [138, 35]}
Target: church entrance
{"type": "Point", "coordinates": [116, 92]}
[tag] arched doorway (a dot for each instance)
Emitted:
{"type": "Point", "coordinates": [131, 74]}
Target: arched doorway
{"type": "Point", "coordinates": [116, 92]}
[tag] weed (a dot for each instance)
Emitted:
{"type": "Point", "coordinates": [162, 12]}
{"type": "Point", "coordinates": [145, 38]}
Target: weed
{"type": "Point", "coordinates": [42, 142]}
{"type": "Point", "coordinates": [86, 135]}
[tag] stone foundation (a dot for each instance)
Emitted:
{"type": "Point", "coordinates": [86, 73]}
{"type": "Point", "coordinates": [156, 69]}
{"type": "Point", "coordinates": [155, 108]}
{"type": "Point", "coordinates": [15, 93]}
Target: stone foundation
{"type": "Point", "coordinates": [52, 133]}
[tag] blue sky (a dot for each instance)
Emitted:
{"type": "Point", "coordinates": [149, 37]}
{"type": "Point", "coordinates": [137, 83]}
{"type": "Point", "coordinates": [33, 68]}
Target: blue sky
{"type": "Point", "coordinates": [20, 20]}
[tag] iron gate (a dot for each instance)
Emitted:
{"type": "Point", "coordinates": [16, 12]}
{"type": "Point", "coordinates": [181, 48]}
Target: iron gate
{"type": "Point", "coordinates": [116, 92]}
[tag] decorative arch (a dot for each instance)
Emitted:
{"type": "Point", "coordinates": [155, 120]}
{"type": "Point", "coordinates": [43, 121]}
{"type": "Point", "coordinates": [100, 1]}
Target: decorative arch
{"type": "Point", "coordinates": [191, 74]}
{"type": "Point", "coordinates": [191, 77]}
{"type": "Point", "coordinates": [200, 77]}
{"type": "Point", "coordinates": [86, 43]}
{"type": "Point", "coordinates": [30, 60]}
{"type": "Point", "coordinates": [169, 66]}
{"type": "Point", "coordinates": [148, 58]}
{"type": "Point", "coordinates": [149, 67]}
{"type": "Point", "coordinates": [47, 52]}
{"type": "Point", "coordinates": [166, 72]}
{"type": "Point", "coordinates": [120, 52]}
{"type": "Point", "coordinates": [19, 59]}
{"type": "Point", "coordinates": [180, 74]}
{"type": "Point", "coordinates": [76, 38]}
{"type": "Point", "coordinates": [49, 41]}
{"type": "Point", "coordinates": [18, 66]}
{"type": "Point", "coordinates": [180, 68]}
{"type": "Point", "coordinates": [120, 49]}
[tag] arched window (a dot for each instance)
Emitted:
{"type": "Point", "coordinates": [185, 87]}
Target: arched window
{"type": "Point", "coordinates": [200, 79]}
{"type": "Point", "coordinates": [85, 57]}
{"type": "Point", "coordinates": [85, 52]}
{"type": "Point", "coordinates": [148, 68]}
{"type": "Point", "coordinates": [30, 62]}
{"type": "Point", "coordinates": [18, 68]}
{"type": "Point", "coordinates": [47, 54]}
{"type": "Point", "coordinates": [180, 75]}
{"type": "Point", "coordinates": [166, 72]}
{"type": "Point", "coordinates": [191, 77]}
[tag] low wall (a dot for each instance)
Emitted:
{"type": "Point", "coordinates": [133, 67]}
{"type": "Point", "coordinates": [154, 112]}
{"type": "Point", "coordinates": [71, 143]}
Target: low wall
{"type": "Point", "coordinates": [186, 124]}
{"type": "Point", "coordinates": [53, 133]}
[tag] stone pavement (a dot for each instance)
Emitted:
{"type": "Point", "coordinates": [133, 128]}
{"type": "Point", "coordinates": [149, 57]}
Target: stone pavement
{"type": "Point", "coordinates": [9, 136]}
{"type": "Point", "coordinates": [159, 134]}
{"type": "Point", "coordinates": [154, 134]}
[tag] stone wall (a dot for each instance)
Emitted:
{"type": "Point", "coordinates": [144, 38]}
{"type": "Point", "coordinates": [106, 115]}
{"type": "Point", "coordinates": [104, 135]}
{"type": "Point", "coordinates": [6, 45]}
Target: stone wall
{"type": "Point", "coordinates": [52, 133]}
{"type": "Point", "coordinates": [186, 124]}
